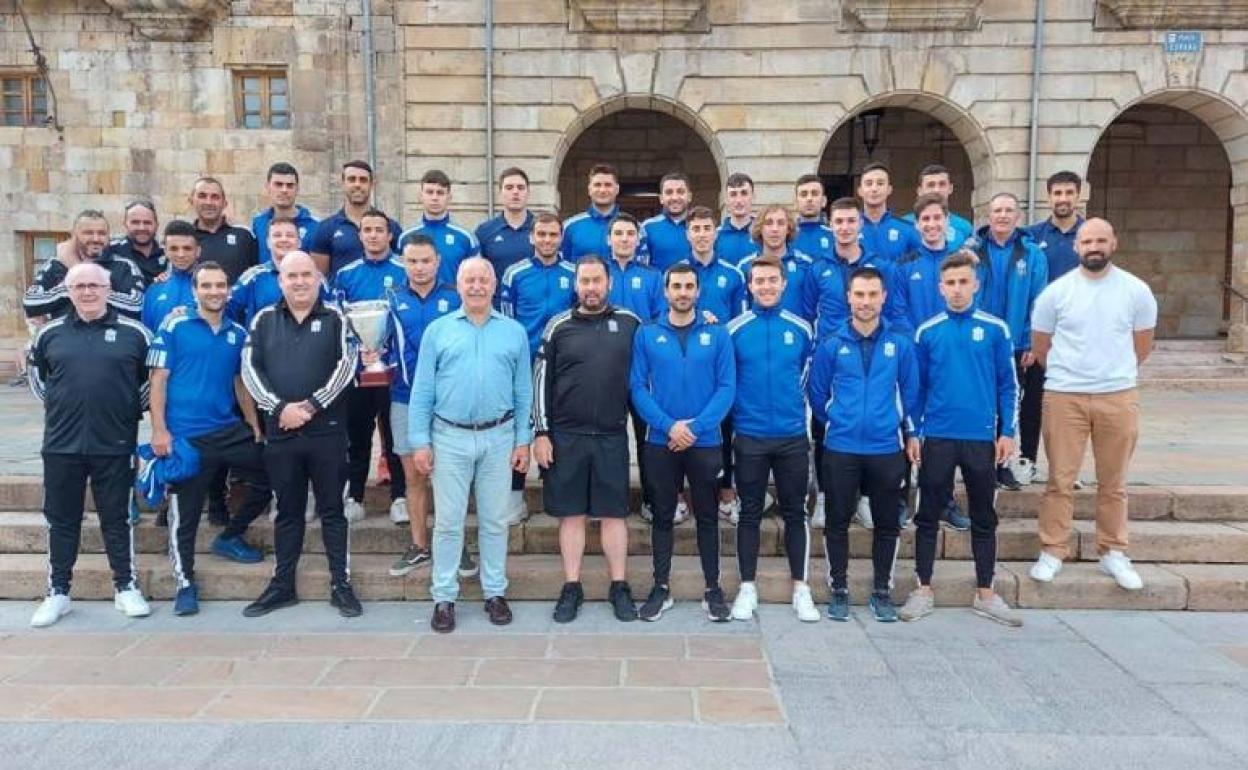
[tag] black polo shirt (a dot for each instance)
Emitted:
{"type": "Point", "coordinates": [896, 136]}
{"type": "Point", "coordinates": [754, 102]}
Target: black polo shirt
{"type": "Point", "coordinates": [149, 266]}
{"type": "Point", "coordinates": [234, 248]}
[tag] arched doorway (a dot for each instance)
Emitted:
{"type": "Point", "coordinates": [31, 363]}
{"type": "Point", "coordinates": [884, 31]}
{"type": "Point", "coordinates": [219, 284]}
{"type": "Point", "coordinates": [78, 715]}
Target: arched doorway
{"type": "Point", "coordinates": [644, 144]}
{"type": "Point", "coordinates": [1161, 176]}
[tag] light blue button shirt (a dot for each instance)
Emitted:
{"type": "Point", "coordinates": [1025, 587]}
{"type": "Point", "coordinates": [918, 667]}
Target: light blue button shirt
{"type": "Point", "coordinates": [467, 373]}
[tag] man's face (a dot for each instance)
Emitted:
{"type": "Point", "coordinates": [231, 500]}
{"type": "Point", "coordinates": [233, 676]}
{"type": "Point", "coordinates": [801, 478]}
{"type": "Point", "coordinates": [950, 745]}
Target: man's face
{"type": "Point", "coordinates": [182, 251]}
{"type": "Point", "coordinates": [434, 199]}
{"type": "Point", "coordinates": [866, 298]}
{"type": "Point", "coordinates": [936, 183]}
{"type": "Point", "coordinates": [283, 239]}
{"type": "Point", "coordinates": [90, 237]}
{"type": "Point", "coordinates": [88, 292]}
{"type": "Point", "coordinates": [931, 222]}
{"type": "Point", "coordinates": [546, 239]}
{"type": "Point", "coordinates": [357, 186]}
{"type": "Point", "coordinates": [958, 286]}
{"type": "Point", "coordinates": [420, 261]}
{"type": "Point", "coordinates": [212, 287]}
{"type": "Point", "coordinates": [740, 200]}
{"type": "Point", "coordinates": [476, 284]}
{"type": "Point", "coordinates": [775, 230]}
{"type": "Point", "coordinates": [810, 200]}
{"type": "Point", "coordinates": [701, 233]}
{"type": "Point", "coordinates": [675, 197]}
{"type": "Point", "coordinates": [1003, 216]}
{"type": "Point", "coordinates": [1095, 244]}
{"type": "Point", "coordinates": [1063, 197]}
{"type": "Point", "coordinates": [767, 285]}
{"type": "Point", "coordinates": [513, 193]}
{"type": "Point", "coordinates": [623, 239]}
{"type": "Point", "coordinates": [375, 235]}
{"type": "Point", "coordinates": [846, 224]}
{"type": "Point", "coordinates": [874, 188]}
{"type": "Point", "coordinates": [140, 224]}
{"type": "Point", "coordinates": [592, 284]}
{"type": "Point", "coordinates": [299, 280]}
{"type": "Point", "coordinates": [208, 201]}
{"type": "Point", "coordinates": [603, 190]}
{"type": "Point", "coordinates": [681, 291]}
{"type": "Point", "coordinates": [282, 190]}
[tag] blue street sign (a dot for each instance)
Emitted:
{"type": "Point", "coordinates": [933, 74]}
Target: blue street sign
{"type": "Point", "coordinates": [1183, 42]}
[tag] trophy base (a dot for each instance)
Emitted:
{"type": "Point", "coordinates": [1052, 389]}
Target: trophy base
{"type": "Point", "coordinates": [370, 379]}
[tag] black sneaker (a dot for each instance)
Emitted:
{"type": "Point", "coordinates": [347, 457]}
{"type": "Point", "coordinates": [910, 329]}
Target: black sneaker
{"type": "Point", "coordinates": [659, 601]}
{"type": "Point", "coordinates": [569, 604]}
{"type": "Point", "coordinates": [343, 597]}
{"type": "Point", "coordinates": [1006, 480]}
{"type": "Point", "coordinates": [621, 598]}
{"type": "Point", "coordinates": [716, 606]}
{"type": "Point", "coordinates": [413, 558]}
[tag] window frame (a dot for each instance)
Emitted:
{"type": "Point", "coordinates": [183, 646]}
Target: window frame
{"type": "Point", "coordinates": [28, 249]}
{"type": "Point", "coordinates": [266, 76]}
{"type": "Point", "coordinates": [29, 117]}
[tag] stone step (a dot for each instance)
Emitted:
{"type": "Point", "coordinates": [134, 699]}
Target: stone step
{"type": "Point", "coordinates": [1175, 371]}
{"type": "Point", "coordinates": [1189, 345]}
{"type": "Point", "coordinates": [539, 578]}
{"type": "Point", "coordinates": [1195, 358]}
{"type": "Point", "coordinates": [1232, 384]}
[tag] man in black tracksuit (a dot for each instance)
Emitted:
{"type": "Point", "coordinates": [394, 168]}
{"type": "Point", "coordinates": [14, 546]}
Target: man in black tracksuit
{"type": "Point", "coordinates": [88, 367]}
{"type": "Point", "coordinates": [47, 294]}
{"type": "Point", "coordinates": [297, 364]}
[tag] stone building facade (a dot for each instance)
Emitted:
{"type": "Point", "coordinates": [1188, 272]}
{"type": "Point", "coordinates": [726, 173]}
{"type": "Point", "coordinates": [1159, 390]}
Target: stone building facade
{"type": "Point", "coordinates": [146, 93]}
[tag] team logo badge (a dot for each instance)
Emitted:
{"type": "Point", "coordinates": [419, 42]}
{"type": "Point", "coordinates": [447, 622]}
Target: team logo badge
{"type": "Point", "coordinates": [303, 231]}
{"type": "Point", "coordinates": [563, 282]}
{"type": "Point", "coordinates": [704, 338]}
{"type": "Point", "coordinates": [230, 338]}
{"type": "Point", "coordinates": [792, 267]}
{"type": "Point", "coordinates": [443, 306]}
{"type": "Point", "coordinates": [977, 334]}
{"type": "Point", "coordinates": [844, 351]}
{"type": "Point", "coordinates": [661, 338]}
{"type": "Point", "coordinates": [1020, 267]}
{"type": "Point", "coordinates": [612, 326]}
{"type": "Point", "coordinates": [890, 349]}
{"type": "Point", "coordinates": [916, 276]}
{"type": "Point", "coordinates": [498, 239]}
{"type": "Point", "coordinates": [403, 305]}
{"type": "Point", "coordinates": [450, 239]}
{"type": "Point", "coordinates": [893, 235]}
{"type": "Point", "coordinates": [338, 233]}
{"type": "Point", "coordinates": [231, 239]}
{"type": "Point", "coordinates": [387, 281]}
{"type": "Point", "coordinates": [316, 326]}
{"type": "Point", "coordinates": [110, 335]}
{"type": "Point", "coordinates": [636, 282]}
{"type": "Point", "coordinates": [723, 282]}
{"type": "Point", "coordinates": [788, 338]}
{"type": "Point", "coordinates": [823, 242]}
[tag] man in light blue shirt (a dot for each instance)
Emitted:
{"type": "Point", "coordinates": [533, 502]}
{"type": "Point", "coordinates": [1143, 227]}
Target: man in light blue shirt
{"type": "Point", "coordinates": [469, 426]}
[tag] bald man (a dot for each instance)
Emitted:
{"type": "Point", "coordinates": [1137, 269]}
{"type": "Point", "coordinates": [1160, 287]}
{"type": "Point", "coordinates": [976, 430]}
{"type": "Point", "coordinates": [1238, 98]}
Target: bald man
{"type": "Point", "coordinates": [1091, 330]}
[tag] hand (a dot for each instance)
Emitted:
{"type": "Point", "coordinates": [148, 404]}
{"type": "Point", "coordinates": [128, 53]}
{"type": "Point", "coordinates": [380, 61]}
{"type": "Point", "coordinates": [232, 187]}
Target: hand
{"type": "Point", "coordinates": [1005, 449]}
{"type": "Point", "coordinates": [293, 417]}
{"type": "Point", "coordinates": [680, 437]}
{"type": "Point", "coordinates": [423, 458]}
{"type": "Point", "coordinates": [162, 277]}
{"type": "Point", "coordinates": [369, 356]}
{"type": "Point", "coordinates": [162, 442]}
{"type": "Point", "coordinates": [543, 452]}
{"type": "Point", "coordinates": [1027, 359]}
{"type": "Point", "coordinates": [520, 459]}
{"type": "Point", "coordinates": [67, 253]}
{"type": "Point", "coordinates": [914, 451]}
{"type": "Point", "coordinates": [709, 317]}
{"type": "Point", "coordinates": [257, 433]}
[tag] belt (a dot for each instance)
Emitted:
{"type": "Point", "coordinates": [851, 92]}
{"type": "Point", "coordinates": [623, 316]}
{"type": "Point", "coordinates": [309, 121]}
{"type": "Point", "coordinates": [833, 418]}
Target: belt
{"type": "Point", "coordinates": [478, 425]}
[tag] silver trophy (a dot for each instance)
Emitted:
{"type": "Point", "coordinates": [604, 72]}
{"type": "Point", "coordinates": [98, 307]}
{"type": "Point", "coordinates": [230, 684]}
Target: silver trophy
{"type": "Point", "coordinates": [369, 320]}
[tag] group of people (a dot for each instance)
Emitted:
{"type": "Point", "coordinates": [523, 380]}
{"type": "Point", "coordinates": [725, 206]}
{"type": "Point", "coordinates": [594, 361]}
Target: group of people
{"type": "Point", "coordinates": [907, 350]}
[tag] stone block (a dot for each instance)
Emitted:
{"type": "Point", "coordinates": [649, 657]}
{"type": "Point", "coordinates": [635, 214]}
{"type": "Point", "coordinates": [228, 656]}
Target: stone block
{"type": "Point", "coordinates": [1174, 541]}
{"type": "Point", "coordinates": [443, 88]}
{"type": "Point", "coordinates": [1222, 503]}
{"type": "Point", "coordinates": [1081, 585]}
{"type": "Point", "coordinates": [1214, 586]}
{"type": "Point", "coordinates": [1017, 539]}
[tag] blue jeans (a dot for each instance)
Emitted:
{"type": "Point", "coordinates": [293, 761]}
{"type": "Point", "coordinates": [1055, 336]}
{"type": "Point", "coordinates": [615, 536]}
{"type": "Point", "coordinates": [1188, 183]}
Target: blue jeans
{"type": "Point", "coordinates": [480, 460]}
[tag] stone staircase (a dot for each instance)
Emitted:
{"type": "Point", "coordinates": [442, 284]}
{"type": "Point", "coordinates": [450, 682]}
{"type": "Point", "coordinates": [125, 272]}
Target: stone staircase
{"type": "Point", "coordinates": [1190, 545]}
{"type": "Point", "coordinates": [1196, 364]}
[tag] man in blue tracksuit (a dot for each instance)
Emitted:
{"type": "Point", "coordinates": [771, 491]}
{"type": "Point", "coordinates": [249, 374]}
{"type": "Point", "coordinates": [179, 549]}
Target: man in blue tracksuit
{"type": "Point", "coordinates": [935, 178]}
{"type": "Point", "coordinates": [1012, 272]}
{"type": "Point", "coordinates": [735, 240]}
{"type": "Point", "coordinates": [175, 289]}
{"type": "Point", "coordinates": [773, 348]}
{"type": "Point", "coordinates": [281, 184]}
{"type": "Point", "coordinates": [775, 229]}
{"type": "Point", "coordinates": [258, 288]}
{"type": "Point", "coordinates": [884, 234]}
{"type": "Point", "coordinates": [966, 421]}
{"type": "Point", "coordinates": [864, 389]}
{"type": "Point", "coordinates": [664, 236]}
{"type": "Point", "coordinates": [454, 243]}
{"type": "Point", "coordinates": [682, 381]}
{"type": "Point", "coordinates": [635, 286]}
{"type": "Point", "coordinates": [506, 238]}
{"type": "Point", "coordinates": [586, 233]}
{"type": "Point", "coordinates": [814, 238]}
{"type": "Point", "coordinates": [917, 273]}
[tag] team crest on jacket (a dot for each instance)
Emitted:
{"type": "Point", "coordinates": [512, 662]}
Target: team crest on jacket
{"type": "Point", "coordinates": [563, 282]}
{"type": "Point", "coordinates": [636, 282]}
{"type": "Point", "coordinates": [788, 338]}
{"type": "Point", "coordinates": [450, 239]}
{"type": "Point", "coordinates": [230, 338]}
{"type": "Point", "coordinates": [387, 281]}
{"type": "Point", "coordinates": [316, 325]}
{"type": "Point", "coordinates": [704, 338]}
{"type": "Point", "coordinates": [110, 335]}
{"type": "Point", "coordinates": [231, 239]}
{"type": "Point", "coordinates": [1020, 267]}
{"type": "Point", "coordinates": [723, 281]}
{"type": "Point", "coordinates": [890, 349]}
{"type": "Point", "coordinates": [893, 234]}
{"type": "Point", "coordinates": [823, 242]}
{"type": "Point", "coordinates": [443, 306]}
{"type": "Point", "coordinates": [612, 326]}
{"type": "Point", "coordinates": [977, 334]}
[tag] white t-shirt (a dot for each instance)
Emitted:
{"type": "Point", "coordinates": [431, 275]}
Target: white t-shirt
{"type": "Point", "coordinates": [1092, 321]}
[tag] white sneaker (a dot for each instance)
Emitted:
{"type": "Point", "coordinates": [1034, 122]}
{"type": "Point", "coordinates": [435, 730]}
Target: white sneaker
{"type": "Point", "coordinates": [1046, 568]}
{"type": "Point", "coordinates": [730, 511]}
{"type": "Point", "coordinates": [1078, 485]}
{"type": "Point", "coordinates": [1117, 564]}
{"type": "Point", "coordinates": [863, 514]}
{"type": "Point", "coordinates": [819, 516]}
{"type": "Point", "coordinates": [352, 509]}
{"type": "Point", "coordinates": [746, 603]}
{"type": "Point", "coordinates": [804, 605]}
{"type": "Point", "coordinates": [132, 603]}
{"type": "Point", "coordinates": [646, 513]}
{"type": "Point", "coordinates": [50, 610]}
{"type": "Point", "coordinates": [1024, 470]}
{"type": "Point", "coordinates": [517, 509]}
{"type": "Point", "coordinates": [398, 511]}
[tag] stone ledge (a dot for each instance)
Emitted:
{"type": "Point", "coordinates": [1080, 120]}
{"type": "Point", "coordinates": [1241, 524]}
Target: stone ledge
{"type": "Point", "coordinates": [909, 15]}
{"type": "Point", "coordinates": [1171, 14]}
{"type": "Point", "coordinates": [626, 16]}
{"type": "Point", "coordinates": [171, 20]}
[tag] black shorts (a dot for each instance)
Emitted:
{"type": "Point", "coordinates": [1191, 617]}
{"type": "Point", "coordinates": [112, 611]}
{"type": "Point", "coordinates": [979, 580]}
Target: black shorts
{"type": "Point", "coordinates": [589, 476]}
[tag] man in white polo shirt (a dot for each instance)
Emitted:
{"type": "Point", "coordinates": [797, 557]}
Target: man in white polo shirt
{"type": "Point", "coordinates": [1091, 329]}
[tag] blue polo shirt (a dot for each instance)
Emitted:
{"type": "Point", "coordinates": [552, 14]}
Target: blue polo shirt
{"type": "Point", "coordinates": [161, 298]}
{"type": "Point", "coordinates": [202, 365]}
{"type": "Point", "coordinates": [733, 244]}
{"type": "Point", "coordinates": [815, 239]}
{"type": "Point", "coordinates": [1058, 247]}
{"type": "Point", "coordinates": [586, 233]}
{"type": "Point", "coordinates": [260, 228]}
{"type": "Point", "coordinates": [367, 278]}
{"type": "Point", "coordinates": [453, 243]}
{"type": "Point", "coordinates": [667, 241]}
{"type": "Point", "coordinates": [889, 238]}
{"type": "Point", "coordinates": [339, 237]}
{"type": "Point", "coordinates": [503, 244]}
{"type": "Point", "coordinates": [413, 314]}
{"type": "Point", "coordinates": [637, 288]}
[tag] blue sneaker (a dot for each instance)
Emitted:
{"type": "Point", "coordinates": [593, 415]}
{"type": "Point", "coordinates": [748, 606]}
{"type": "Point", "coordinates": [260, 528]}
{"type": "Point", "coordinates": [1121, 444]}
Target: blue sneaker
{"type": "Point", "coordinates": [187, 600]}
{"type": "Point", "coordinates": [838, 606]}
{"type": "Point", "coordinates": [883, 609]}
{"type": "Point", "coordinates": [235, 548]}
{"type": "Point", "coordinates": [953, 517]}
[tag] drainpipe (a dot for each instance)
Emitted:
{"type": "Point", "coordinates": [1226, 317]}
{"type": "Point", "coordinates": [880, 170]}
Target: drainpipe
{"type": "Point", "coordinates": [489, 107]}
{"type": "Point", "coordinates": [370, 88]}
{"type": "Point", "coordinates": [1037, 69]}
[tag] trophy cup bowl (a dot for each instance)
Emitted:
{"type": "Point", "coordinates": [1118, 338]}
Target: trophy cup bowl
{"type": "Point", "coordinates": [369, 319]}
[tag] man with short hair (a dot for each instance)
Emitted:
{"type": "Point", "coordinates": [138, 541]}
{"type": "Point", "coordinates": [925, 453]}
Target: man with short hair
{"type": "Point", "coordinates": [454, 243]}
{"type": "Point", "coordinates": [772, 348]}
{"type": "Point", "coordinates": [139, 244]}
{"type": "Point", "coordinates": [305, 424]}
{"type": "Point", "coordinates": [917, 272]}
{"type": "Point", "coordinates": [814, 238]}
{"type": "Point", "coordinates": [48, 295]}
{"type": "Point", "coordinates": [682, 383]}
{"type": "Point", "coordinates": [336, 240]}
{"type": "Point", "coordinates": [471, 437]}
{"type": "Point", "coordinates": [664, 236]}
{"type": "Point", "coordinates": [234, 248]}
{"type": "Point", "coordinates": [1091, 329]}
{"type": "Point", "coordinates": [580, 405]}
{"type": "Point", "coordinates": [505, 239]}
{"type": "Point", "coordinates": [734, 241]}
{"type": "Point", "coordinates": [281, 185]}
{"type": "Point", "coordinates": [885, 235]}
{"type": "Point", "coordinates": [176, 289]}
{"type": "Point", "coordinates": [197, 396]}
{"type": "Point", "coordinates": [87, 367]}
{"type": "Point", "coordinates": [260, 286]}
{"type": "Point", "coordinates": [935, 179]}
{"type": "Point", "coordinates": [774, 229]}
{"type": "Point", "coordinates": [587, 232]}
{"type": "Point", "coordinates": [966, 421]}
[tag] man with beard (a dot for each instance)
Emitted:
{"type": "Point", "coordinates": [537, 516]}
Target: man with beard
{"type": "Point", "coordinates": [139, 244]}
{"type": "Point", "coordinates": [814, 238]}
{"type": "Point", "coordinates": [884, 234]}
{"type": "Point", "coordinates": [586, 233]}
{"type": "Point", "coordinates": [175, 289]}
{"type": "Point", "coordinates": [281, 185]}
{"type": "Point", "coordinates": [336, 241]}
{"type": "Point", "coordinates": [233, 248]}
{"type": "Point", "coordinates": [47, 295]}
{"type": "Point", "coordinates": [664, 234]}
{"type": "Point", "coordinates": [1092, 329]}
{"type": "Point", "coordinates": [734, 241]}
{"type": "Point", "coordinates": [506, 239]}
